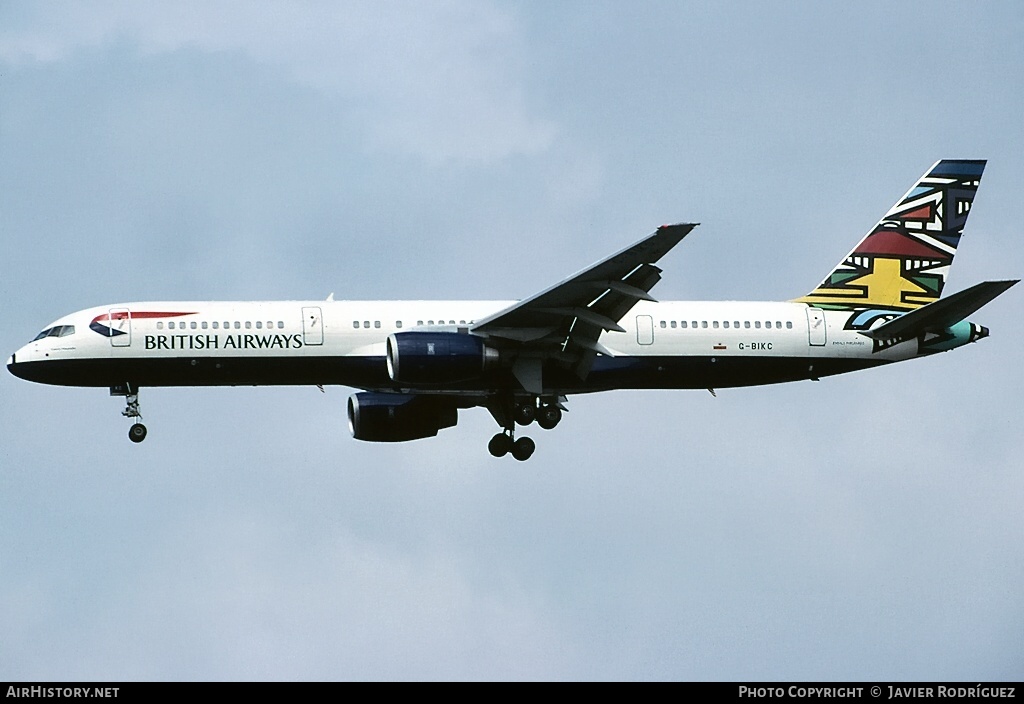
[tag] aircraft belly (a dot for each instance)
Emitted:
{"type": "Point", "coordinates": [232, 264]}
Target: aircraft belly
{"type": "Point", "coordinates": [360, 372]}
{"type": "Point", "coordinates": [702, 372]}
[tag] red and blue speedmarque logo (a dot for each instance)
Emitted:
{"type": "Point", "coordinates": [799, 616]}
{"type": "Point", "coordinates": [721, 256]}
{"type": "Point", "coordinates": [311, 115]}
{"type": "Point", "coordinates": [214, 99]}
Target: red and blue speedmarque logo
{"type": "Point", "coordinates": [103, 324]}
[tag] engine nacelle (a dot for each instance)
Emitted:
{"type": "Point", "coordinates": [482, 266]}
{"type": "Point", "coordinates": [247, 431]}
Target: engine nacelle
{"type": "Point", "coordinates": [436, 358]}
{"type": "Point", "coordinates": [398, 417]}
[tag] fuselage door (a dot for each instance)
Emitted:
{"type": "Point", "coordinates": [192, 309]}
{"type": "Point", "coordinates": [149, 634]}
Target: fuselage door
{"type": "Point", "coordinates": [644, 330]}
{"type": "Point", "coordinates": [120, 323]}
{"type": "Point", "coordinates": [815, 325]}
{"type": "Point", "coordinates": [312, 326]}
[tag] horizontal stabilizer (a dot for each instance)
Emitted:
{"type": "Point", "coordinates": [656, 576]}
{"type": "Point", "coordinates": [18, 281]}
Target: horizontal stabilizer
{"type": "Point", "coordinates": [940, 314]}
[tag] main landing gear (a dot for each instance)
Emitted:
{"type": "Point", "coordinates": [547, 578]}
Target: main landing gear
{"type": "Point", "coordinates": [136, 433]}
{"type": "Point", "coordinates": [505, 442]}
{"type": "Point", "coordinates": [547, 414]}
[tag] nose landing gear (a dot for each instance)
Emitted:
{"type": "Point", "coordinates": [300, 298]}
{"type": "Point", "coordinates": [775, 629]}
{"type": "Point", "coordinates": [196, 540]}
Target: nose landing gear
{"type": "Point", "coordinates": [137, 433]}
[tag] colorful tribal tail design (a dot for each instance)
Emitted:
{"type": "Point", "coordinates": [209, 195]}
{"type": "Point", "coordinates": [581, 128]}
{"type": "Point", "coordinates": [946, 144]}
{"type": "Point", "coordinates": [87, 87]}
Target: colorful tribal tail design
{"type": "Point", "coordinates": [902, 264]}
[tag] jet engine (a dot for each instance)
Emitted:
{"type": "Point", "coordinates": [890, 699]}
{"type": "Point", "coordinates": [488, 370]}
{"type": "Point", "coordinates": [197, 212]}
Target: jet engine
{"type": "Point", "coordinates": [398, 417]}
{"type": "Point", "coordinates": [436, 358]}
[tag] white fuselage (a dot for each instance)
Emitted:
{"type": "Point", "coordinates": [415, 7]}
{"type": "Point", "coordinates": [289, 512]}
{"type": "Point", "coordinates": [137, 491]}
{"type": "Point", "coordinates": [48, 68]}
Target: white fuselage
{"type": "Point", "coordinates": [343, 342]}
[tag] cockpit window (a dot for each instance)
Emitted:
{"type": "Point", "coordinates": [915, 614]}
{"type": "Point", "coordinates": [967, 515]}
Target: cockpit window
{"type": "Point", "coordinates": [56, 331]}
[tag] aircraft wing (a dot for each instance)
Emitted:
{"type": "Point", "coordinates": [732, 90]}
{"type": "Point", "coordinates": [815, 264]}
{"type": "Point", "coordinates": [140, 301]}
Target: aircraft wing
{"type": "Point", "coordinates": [565, 321]}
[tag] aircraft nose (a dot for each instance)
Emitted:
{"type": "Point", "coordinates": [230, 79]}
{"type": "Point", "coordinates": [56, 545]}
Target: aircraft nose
{"type": "Point", "coordinates": [15, 367]}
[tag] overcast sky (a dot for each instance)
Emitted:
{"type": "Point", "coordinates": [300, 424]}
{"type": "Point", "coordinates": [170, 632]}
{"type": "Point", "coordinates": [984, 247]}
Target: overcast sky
{"type": "Point", "coordinates": [864, 527]}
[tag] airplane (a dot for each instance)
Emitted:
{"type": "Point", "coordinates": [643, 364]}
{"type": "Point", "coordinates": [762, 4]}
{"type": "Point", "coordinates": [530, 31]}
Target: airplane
{"type": "Point", "coordinates": [417, 363]}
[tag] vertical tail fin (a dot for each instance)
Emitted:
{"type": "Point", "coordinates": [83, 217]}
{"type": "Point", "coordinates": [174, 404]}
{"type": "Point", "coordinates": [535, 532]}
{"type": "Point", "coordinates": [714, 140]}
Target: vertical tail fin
{"type": "Point", "coordinates": [903, 262]}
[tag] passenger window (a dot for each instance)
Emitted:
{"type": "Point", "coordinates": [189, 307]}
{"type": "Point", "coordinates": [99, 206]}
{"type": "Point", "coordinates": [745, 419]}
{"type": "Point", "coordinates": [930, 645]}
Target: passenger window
{"type": "Point", "coordinates": [778, 324]}
{"type": "Point", "coordinates": [768, 324]}
{"type": "Point", "coordinates": [430, 322]}
{"type": "Point", "coordinates": [214, 324]}
{"type": "Point", "coordinates": [270, 325]}
{"type": "Point", "coordinates": [673, 323]}
{"type": "Point", "coordinates": [789, 324]}
{"type": "Point", "coordinates": [194, 325]}
{"type": "Point", "coordinates": [238, 325]}
{"type": "Point", "coordinates": [725, 324]}
{"type": "Point", "coordinates": [462, 322]}
{"type": "Point", "coordinates": [663, 324]}
{"type": "Point", "coordinates": [159, 325]}
{"type": "Point", "coordinates": [376, 323]}
{"type": "Point", "coordinates": [715, 324]}
{"type": "Point", "coordinates": [248, 325]}
{"type": "Point", "coordinates": [355, 323]}
{"type": "Point", "coordinates": [398, 323]}
{"type": "Point", "coordinates": [703, 323]}
{"type": "Point", "coordinates": [757, 324]}
{"type": "Point", "coordinates": [682, 323]}
{"type": "Point", "coordinates": [259, 324]}
{"type": "Point", "coordinates": [419, 323]}
{"type": "Point", "coordinates": [204, 325]}
{"type": "Point", "coordinates": [736, 324]}
{"type": "Point", "coordinates": [366, 323]}
{"type": "Point", "coordinates": [280, 325]}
